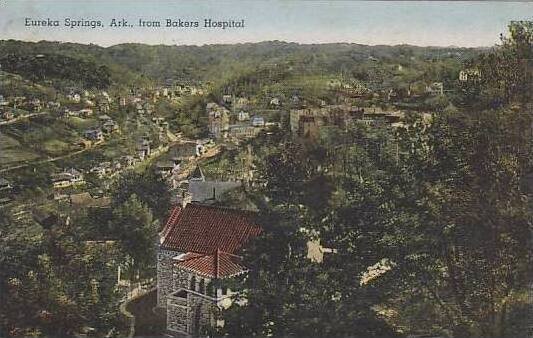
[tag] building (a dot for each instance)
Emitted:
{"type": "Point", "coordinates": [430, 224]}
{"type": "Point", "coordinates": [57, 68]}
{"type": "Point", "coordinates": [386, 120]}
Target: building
{"type": "Point", "coordinates": [275, 102]}
{"type": "Point", "coordinates": [74, 97]}
{"type": "Point", "coordinates": [94, 134]}
{"type": "Point", "coordinates": [243, 116]}
{"type": "Point", "coordinates": [86, 112]}
{"type": "Point", "coordinates": [218, 121]}
{"type": "Point", "coordinates": [167, 168]}
{"type": "Point", "coordinates": [258, 121]}
{"type": "Point", "coordinates": [200, 189]}
{"type": "Point", "coordinates": [187, 151]}
{"type": "Point", "coordinates": [469, 75]}
{"type": "Point", "coordinates": [5, 185]}
{"type": "Point", "coordinates": [144, 149]}
{"type": "Point", "coordinates": [67, 178]}
{"type": "Point", "coordinates": [436, 88]}
{"type": "Point", "coordinates": [242, 131]}
{"type": "Point", "coordinates": [197, 249]}
{"type": "Point", "coordinates": [309, 127]}
{"type": "Point", "coordinates": [110, 126]}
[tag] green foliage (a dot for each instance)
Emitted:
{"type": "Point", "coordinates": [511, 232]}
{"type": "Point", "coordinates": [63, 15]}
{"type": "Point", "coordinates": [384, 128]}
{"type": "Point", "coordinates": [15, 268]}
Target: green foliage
{"type": "Point", "coordinates": [52, 282]}
{"type": "Point", "coordinates": [439, 203]}
{"type": "Point", "coordinates": [132, 222]}
{"type": "Point", "coordinates": [148, 187]}
{"type": "Point", "coordinates": [57, 67]}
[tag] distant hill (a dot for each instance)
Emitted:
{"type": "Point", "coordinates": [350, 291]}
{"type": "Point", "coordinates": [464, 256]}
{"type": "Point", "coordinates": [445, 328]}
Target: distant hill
{"type": "Point", "coordinates": [129, 64]}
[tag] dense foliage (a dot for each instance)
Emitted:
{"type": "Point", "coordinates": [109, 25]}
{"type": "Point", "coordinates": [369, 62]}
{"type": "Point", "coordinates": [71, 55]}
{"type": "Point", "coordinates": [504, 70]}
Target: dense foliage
{"type": "Point", "coordinates": [431, 223]}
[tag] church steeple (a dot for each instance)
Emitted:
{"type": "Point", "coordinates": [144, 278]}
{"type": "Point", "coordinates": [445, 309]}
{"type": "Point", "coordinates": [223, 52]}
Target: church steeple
{"type": "Point", "coordinates": [197, 175]}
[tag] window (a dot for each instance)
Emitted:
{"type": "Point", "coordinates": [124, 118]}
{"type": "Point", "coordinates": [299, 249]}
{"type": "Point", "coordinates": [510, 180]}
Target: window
{"type": "Point", "coordinates": [193, 283]}
{"type": "Point", "coordinates": [201, 287]}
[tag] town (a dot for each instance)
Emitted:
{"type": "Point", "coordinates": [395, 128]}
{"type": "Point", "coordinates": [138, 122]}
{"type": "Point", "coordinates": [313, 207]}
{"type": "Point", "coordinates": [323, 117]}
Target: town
{"type": "Point", "coordinates": [269, 189]}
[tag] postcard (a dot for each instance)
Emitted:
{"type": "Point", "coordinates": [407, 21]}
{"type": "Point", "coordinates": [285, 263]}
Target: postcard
{"type": "Point", "coordinates": [266, 168]}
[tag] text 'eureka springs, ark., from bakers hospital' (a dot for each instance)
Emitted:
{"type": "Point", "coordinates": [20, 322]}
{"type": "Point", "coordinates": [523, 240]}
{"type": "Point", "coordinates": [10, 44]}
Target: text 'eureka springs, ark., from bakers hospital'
{"type": "Point", "coordinates": [77, 23]}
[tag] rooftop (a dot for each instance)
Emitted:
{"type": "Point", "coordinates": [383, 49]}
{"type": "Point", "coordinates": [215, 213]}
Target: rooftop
{"type": "Point", "coordinates": [219, 265]}
{"type": "Point", "coordinates": [205, 229]}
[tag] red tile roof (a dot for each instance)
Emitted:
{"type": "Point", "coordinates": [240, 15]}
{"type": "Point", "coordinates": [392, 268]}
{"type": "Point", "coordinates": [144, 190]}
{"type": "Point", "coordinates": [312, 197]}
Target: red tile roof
{"type": "Point", "coordinates": [206, 229]}
{"type": "Point", "coordinates": [219, 265]}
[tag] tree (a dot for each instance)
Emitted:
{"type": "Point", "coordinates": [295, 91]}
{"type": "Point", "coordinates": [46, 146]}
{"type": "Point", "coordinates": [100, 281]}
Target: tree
{"type": "Point", "coordinates": [149, 188]}
{"type": "Point", "coordinates": [133, 224]}
{"type": "Point", "coordinates": [52, 282]}
{"type": "Point", "coordinates": [287, 294]}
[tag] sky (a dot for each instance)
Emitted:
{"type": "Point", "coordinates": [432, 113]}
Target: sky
{"type": "Point", "coordinates": [423, 23]}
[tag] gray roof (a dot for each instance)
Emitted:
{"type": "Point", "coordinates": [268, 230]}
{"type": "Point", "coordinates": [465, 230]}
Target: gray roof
{"type": "Point", "coordinates": [197, 174]}
{"type": "Point", "coordinates": [206, 190]}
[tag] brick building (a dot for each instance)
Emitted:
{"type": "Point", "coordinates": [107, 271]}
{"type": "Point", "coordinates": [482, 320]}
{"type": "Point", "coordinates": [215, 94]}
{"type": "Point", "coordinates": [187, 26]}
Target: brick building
{"type": "Point", "coordinates": [199, 247]}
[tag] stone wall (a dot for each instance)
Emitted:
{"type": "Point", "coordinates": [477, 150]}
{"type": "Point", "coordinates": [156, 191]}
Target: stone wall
{"type": "Point", "coordinates": [178, 314]}
{"type": "Point", "coordinates": [188, 312]}
{"type": "Point", "coordinates": [164, 275]}
{"type": "Point", "coordinates": [181, 279]}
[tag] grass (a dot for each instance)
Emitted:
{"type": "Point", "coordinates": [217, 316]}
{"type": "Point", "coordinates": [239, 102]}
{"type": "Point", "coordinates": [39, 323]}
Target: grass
{"type": "Point", "coordinates": [56, 147]}
{"type": "Point", "coordinates": [81, 124]}
{"type": "Point", "coordinates": [12, 151]}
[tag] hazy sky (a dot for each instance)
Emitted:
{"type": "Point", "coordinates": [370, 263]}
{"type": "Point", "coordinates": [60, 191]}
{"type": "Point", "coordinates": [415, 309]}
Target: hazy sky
{"type": "Point", "coordinates": [376, 22]}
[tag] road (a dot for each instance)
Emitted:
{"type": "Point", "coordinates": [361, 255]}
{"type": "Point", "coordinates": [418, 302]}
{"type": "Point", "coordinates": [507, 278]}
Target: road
{"type": "Point", "coordinates": [17, 119]}
{"type": "Point", "coordinates": [51, 159]}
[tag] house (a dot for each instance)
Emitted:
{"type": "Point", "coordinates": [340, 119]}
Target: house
{"type": "Point", "coordinates": [67, 178]}
{"type": "Point", "coordinates": [243, 116]}
{"type": "Point", "coordinates": [258, 121]}
{"type": "Point", "coordinates": [218, 122]}
{"type": "Point", "coordinates": [102, 169]}
{"type": "Point", "coordinates": [167, 168]}
{"type": "Point", "coordinates": [211, 106]}
{"type": "Point", "coordinates": [74, 97]}
{"type": "Point", "coordinates": [99, 171]}
{"type": "Point", "coordinates": [275, 102]}
{"type": "Point", "coordinates": [227, 99]}
{"type": "Point", "coordinates": [204, 191]}
{"type": "Point", "coordinates": [469, 75]}
{"type": "Point", "coordinates": [5, 185]}
{"type": "Point", "coordinates": [185, 151]}
{"type": "Point", "coordinates": [110, 127]}
{"type": "Point", "coordinates": [309, 127]}
{"type": "Point", "coordinates": [94, 134]}
{"type": "Point", "coordinates": [53, 105]}
{"type": "Point", "coordinates": [241, 102]}
{"type": "Point", "coordinates": [65, 113]}
{"type": "Point", "coordinates": [436, 88]}
{"type": "Point", "coordinates": [199, 247]}
{"type": "Point", "coordinates": [143, 149]}
{"type": "Point", "coordinates": [128, 160]}
{"type": "Point", "coordinates": [242, 131]}
{"type": "Point", "coordinates": [8, 115]}
{"type": "Point", "coordinates": [86, 112]}
{"type": "Point", "coordinates": [104, 118]}
{"type": "Point", "coordinates": [35, 104]}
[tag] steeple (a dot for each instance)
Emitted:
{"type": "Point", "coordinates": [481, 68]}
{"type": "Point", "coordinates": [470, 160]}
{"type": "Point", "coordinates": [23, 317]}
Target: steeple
{"type": "Point", "coordinates": [197, 175]}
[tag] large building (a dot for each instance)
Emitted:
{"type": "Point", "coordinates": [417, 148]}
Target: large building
{"type": "Point", "coordinates": [198, 248]}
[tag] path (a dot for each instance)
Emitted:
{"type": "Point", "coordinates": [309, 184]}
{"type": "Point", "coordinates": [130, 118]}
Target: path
{"type": "Point", "coordinates": [52, 159]}
{"type": "Point", "coordinates": [147, 322]}
{"type": "Point", "coordinates": [16, 119]}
